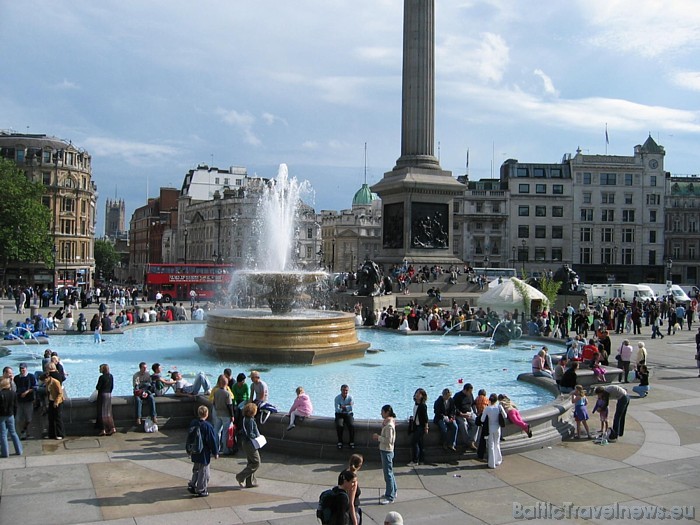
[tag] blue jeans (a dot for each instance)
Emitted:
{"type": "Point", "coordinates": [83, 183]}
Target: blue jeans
{"type": "Point", "coordinates": [221, 425]}
{"type": "Point", "coordinates": [642, 391]}
{"type": "Point", "coordinates": [7, 426]}
{"type": "Point", "coordinates": [151, 399]}
{"type": "Point", "coordinates": [200, 383]}
{"type": "Point", "coordinates": [448, 429]}
{"type": "Point", "coordinates": [388, 470]}
{"type": "Point", "coordinates": [417, 445]}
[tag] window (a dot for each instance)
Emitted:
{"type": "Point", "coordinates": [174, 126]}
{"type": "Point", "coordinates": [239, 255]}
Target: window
{"type": "Point", "coordinates": [239, 182]}
{"type": "Point", "coordinates": [46, 157]}
{"type": "Point", "coordinates": [585, 255]}
{"type": "Point", "coordinates": [521, 172]}
{"type": "Point", "coordinates": [456, 206]}
{"type": "Point", "coordinates": [608, 179]}
{"type": "Point", "coordinates": [628, 256]}
{"type": "Point", "coordinates": [540, 254]}
{"type": "Point", "coordinates": [479, 226]}
{"type": "Point", "coordinates": [309, 233]}
{"type": "Point", "coordinates": [46, 178]}
{"type": "Point", "coordinates": [538, 172]}
{"type": "Point", "coordinates": [523, 211]}
{"type": "Point", "coordinates": [226, 181]}
{"type": "Point", "coordinates": [523, 188]}
{"type": "Point", "coordinates": [540, 188]}
{"type": "Point", "coordinates": [652, 236]}
{"type": "Point", "coordinates": [540, 211]}
{"type": "Point", "coordinates": [479, 207]}
{"type": "Point", "coordinates": [557, 254]}
{"type": "Point", "coordinates": [653, 199]}
{"type": "Point", "coordinates": [557, 211]}
{"type": "Point", "coordinates": [628, 235]}
{"type": "Point", "coordinates": [68, 204]}
{"type": "Point", "coordinates": [607, 235]}
{"type": "Point", "coordinates": [692, 251]}
{"type": "Point", "coordinates": [523, 232]}
{"type": "Point", "coordinates": [627, 215]}
{"type": "Point", "coordinates": [587, 214]}
{"type": "Point", "coordinates": [628, 179]}
{"type": "Point", "coordinates": [652, 215]}
{"type": "Point", "coordinates": [587, 197]}
{"type": "Point", "coordinates": [606, 256]}
{"type": "Point", "coordinates": [692, 225]}
{"type": "Point", "coordinates": [216, 180]}
{"type": "Point", "coordinates": [652, 180]}
{"type": "Point", "coordinates": [557, 232]}
{"type": "Point", "coordinates": [586, 178]}
{"type": "Point", "coordinates": [555, 173]}
{"type": "Point", "coordinates": [586, 234]}
{"type": "Point", "coordinates": [558, 189]}
{"type": "Point", "coordinates": [540, 232]}
{"type": "Point", "coordinates": [607, 197]}
{"type": "Point", "coordinates": [628, 198]}
{"type": "Point", "coordinates": [651, 258]}
{"type": "Point", "coordinates": [496, 207]}
{"type": "Point", "coordinates": [607, 215]}
{"type": "Point", "coordinates": [308, 252]}
{"type": "Point", "coordinates": [496, 227]}
{"type": "Point", "coordinates": [46, 201]}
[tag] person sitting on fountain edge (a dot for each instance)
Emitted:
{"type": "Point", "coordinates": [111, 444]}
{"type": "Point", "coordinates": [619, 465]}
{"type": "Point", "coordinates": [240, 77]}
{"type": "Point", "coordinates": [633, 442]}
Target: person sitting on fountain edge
{"type": "Point", "coordinates": [183, 388]}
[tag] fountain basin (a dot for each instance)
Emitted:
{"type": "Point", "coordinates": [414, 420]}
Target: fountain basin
{"type": "Point", "coordinates": [301, 337]}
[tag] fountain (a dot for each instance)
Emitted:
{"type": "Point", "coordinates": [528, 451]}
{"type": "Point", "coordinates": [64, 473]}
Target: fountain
{"type": "Point", "coordinates": [281, 334]}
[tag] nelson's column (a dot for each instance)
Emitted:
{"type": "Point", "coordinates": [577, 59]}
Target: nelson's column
{"type": "Point", "coordinates": [417, 195]}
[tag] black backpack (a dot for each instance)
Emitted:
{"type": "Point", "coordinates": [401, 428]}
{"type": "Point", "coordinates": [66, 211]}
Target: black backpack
{"type": "Point", "coordinates": [330, 503]}
{"type": "Point", "coordinates": [194, 443]}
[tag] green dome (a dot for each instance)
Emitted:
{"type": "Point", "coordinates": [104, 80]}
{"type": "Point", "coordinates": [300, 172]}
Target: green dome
{"type": "Point", "coordinates": [364, 196]}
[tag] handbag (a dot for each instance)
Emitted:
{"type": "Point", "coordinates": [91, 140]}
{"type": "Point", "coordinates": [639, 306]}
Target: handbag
{"type": "Point", "coordinates": [149, 426]}
{"type": "Point", "coordinates": [93, 396]}
{"type": "Point", "coordinates": [231, 437]}
{"type": "Point", "coordinates": [259, 442]}
{"type": "Point", "coordinates": [501, 419]}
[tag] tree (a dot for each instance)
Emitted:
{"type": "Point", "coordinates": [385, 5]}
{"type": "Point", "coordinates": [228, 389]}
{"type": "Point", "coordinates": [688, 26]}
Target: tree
{"type": "Point", "coordinates": [106, 258]}
{"type": "Point", "coordinates": [25, 223]}
{"type": "Point", "coordinates": [550, 288]}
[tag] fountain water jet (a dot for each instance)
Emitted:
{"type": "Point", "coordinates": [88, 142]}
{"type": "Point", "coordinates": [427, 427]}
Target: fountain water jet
{"type": "Point", "coordinates": [281, 334]}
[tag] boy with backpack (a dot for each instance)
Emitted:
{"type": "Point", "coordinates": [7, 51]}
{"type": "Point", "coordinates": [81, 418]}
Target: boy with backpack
{"type": "Point", "coordinates": [334, 504]}
{"type": "Point", "coordinates": [201, 445]}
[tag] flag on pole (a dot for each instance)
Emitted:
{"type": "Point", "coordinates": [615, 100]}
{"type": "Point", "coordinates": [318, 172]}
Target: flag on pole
{"type": "Point", "coordinates": [607, 140]}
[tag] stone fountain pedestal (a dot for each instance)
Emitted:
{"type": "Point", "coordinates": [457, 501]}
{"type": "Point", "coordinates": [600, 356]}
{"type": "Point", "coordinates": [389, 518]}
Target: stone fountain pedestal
{"type": "Point", "coordinates": [301, 337]}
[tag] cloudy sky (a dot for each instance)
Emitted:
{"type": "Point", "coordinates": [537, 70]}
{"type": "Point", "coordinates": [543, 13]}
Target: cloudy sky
{"type": "Point", "coordinates": [153, 88]}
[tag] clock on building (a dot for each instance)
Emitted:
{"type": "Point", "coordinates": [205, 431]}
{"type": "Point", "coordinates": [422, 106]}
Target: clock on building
{"type": "Point", "coordinates": [653, 164]}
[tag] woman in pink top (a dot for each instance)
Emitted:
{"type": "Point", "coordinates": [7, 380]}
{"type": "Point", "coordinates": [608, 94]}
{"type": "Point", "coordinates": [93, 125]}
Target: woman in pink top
{"type": "Point", "coordinates": [301, 407]}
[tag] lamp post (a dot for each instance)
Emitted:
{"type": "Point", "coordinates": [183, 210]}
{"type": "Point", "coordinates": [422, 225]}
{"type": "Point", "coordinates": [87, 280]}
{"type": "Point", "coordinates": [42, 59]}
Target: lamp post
{"type": "Point", "coordinates": [524, 255]}
{"type": "Point", "coordinates": [186, 233]}
{"type": "Point", "coordinates": [54, 251]}
{"type": "Point", "coordinates": [514, 258]}
{"type": "Point", "coordinates": [669, 267]}
{"type": "Point", "coordinates": [333, 258]}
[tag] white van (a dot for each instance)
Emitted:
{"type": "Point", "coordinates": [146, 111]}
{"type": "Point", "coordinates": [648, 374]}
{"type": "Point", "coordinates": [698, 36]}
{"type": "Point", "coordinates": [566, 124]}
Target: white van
{"type": "Point", "coordinates": [662, 290]}
{"type": "Point", "coordinates": [623, 291]}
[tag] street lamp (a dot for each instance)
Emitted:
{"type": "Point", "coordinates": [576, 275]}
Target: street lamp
{"type": "Point", "coordinates": [669, 267]}
{"type": "Point", "coordinates": [514, 259]}
{"type": "Point", "coordinates": [54, 251]}
{"type": "Point", "coordinates": [524, 254]}
{"type": "Point", "coordinates": [186, 234]}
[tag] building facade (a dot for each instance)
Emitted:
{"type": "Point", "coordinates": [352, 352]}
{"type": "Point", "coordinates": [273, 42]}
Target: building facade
{"type": "Point", "coordinates": [681, 220]}
{"type": "Point", "coordinates": [70, 193]}
{"type": "Point", "coordinates": [148, 232]}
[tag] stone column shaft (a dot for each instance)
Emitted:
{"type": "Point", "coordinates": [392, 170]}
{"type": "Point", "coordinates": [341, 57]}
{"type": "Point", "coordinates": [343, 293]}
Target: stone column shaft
{"type": "Point", "coordinates": [418, 89]}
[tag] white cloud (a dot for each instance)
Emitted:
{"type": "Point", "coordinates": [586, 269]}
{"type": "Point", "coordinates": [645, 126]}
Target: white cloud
{"type": "Point", "coordinates": [687, 79]}
{"type": "Point", "coordinates": [586, 113]}
{"type": "Point", "coordinates": [487, 56]}
{"type": "Point", "coordinates": [650, 28]}
{"type": "Point", "coordinates": [270, 119]}
{"type": "Point", "coordinates": [66, 84]}
{"type": "Point", "coordinates": [547, 82]}
{"type": "Point", "coordinates": [135, 153]}
{"type": "Point", "coordinates": [243, 121]}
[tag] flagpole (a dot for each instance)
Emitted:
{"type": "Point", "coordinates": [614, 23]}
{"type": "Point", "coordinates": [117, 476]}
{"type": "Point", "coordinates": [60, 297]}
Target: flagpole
{"type": "Point", "coordinates": [607, 139]}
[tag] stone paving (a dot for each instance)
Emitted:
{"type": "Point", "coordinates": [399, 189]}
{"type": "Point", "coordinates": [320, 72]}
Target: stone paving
{"type": "Point", "coordinates": [135, 478]}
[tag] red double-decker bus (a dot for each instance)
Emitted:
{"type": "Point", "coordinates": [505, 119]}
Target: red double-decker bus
{"type": "Point", "coordinates": [175, 281]}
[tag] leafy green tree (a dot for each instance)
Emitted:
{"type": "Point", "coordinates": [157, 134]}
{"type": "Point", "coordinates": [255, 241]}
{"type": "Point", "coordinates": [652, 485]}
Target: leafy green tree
{"type": "Point", "coordinates": [25, 223]}
{"type": "Point", "coordinates": [106, 258]}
